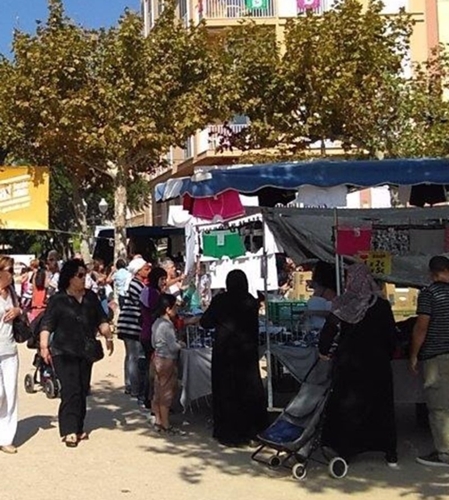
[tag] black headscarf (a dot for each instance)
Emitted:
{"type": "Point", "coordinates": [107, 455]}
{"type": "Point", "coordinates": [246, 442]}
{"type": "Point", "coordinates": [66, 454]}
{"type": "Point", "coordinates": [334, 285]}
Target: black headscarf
{"type": "Point", "coordinates": [237, 283]}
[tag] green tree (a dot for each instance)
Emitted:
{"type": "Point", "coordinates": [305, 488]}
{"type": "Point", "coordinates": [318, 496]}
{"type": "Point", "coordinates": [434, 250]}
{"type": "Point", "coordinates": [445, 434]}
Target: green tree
{"type": "Point", "coordinates": [107, 105]}
{"type": "Point", "coordinates": [425, 110]}
{"type": "Point", "coordinates": [334, 77]}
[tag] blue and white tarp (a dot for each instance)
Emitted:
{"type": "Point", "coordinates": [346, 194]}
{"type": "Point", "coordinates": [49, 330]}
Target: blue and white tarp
{"type": "Point", "coordinates": [321, 173]}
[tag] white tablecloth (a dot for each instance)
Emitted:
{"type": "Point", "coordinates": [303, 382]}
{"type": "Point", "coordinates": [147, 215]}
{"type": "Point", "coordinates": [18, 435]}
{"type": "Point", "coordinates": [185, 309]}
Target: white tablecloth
{"type": "Point", "coordinates": [196, 373]}
{"type": "Point", "coordinates": [195, 370]}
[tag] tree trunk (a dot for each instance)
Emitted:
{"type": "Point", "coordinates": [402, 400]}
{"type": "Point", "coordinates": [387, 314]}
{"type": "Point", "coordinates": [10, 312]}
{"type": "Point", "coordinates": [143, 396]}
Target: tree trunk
{"type": "Point", "coordinates": [120, 203]}
{"type": "Point", "coordinates": [323, 148]}
{"type": "Point", "coordinates": [81, 221]}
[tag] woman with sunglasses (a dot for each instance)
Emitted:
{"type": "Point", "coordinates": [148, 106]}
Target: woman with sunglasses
{"type": "Point", "coordinates": [9, 360]}
{"type": "Point", "coordinates": [73, 315]}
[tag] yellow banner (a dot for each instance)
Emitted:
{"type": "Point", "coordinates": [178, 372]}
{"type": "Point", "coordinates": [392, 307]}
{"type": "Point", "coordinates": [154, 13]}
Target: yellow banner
{"type": "Point", "coordinates": [379, 261]}
{"type": "Point", "coordinates": [24, 195]}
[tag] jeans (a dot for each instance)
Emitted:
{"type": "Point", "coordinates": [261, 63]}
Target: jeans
{"type": "Point", "coordinates": [436, 389]}
{"type": "Point", "coordinates": [74, 375]}
{"type": "Point", "coordinates": [134, 373]}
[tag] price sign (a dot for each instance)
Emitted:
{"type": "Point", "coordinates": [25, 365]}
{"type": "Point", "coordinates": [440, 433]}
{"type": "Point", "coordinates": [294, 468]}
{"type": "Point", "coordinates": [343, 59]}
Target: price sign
{"type": "Point", "coordinates": [379, 262]}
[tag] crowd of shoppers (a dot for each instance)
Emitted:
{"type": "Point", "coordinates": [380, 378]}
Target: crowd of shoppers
{"type": "Point", "coordinates": [360, 412]}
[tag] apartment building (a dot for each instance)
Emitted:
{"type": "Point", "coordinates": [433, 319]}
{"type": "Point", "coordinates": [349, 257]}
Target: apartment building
{"type": "Point", "coordinates": [431, 16]}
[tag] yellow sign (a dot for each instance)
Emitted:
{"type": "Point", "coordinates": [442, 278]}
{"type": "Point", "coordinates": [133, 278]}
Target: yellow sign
{"type": "Point", "coordinates": [379, 261]}
{"type": "Point", "coordinates": [24, 197]}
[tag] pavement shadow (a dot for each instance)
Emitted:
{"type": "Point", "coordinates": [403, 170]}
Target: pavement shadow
{"type": "Point", "coordinates": [109, 408]}
{"type": "Point", "coordinates": [30, 426]}
{"type": "Point", "coordinates": [198, 453]}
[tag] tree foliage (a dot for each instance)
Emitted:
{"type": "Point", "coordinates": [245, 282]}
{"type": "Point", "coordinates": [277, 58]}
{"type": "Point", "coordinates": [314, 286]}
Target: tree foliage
{"type": "Point", "coordinates": [108, 104]}
{"type": "Point", "coordinates": [335, 77]}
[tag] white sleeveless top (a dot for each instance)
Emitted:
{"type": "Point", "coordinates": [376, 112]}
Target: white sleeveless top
{"type": "Point", "coordinates": [8, 345]}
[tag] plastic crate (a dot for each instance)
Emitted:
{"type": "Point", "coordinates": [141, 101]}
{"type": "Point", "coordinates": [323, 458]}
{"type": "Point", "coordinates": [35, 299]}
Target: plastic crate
{"type": "Point", "coordinates": [285, 312]}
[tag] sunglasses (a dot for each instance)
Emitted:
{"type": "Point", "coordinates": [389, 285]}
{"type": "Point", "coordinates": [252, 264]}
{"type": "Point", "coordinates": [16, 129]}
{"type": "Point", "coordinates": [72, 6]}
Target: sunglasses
{"type": "Point", "coordinates": [9, 270]}
{"type": "Point", "coordinates": [80, 275]}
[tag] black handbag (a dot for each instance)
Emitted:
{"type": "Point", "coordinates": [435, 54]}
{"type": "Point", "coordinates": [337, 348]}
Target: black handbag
{"type": "Point", "coordinates": [93, 350]}
{"type": "Point", "coordinates": [21, 328]}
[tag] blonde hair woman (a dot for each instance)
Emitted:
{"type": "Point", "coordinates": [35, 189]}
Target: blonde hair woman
{"type": "Point", "coordinates": [9, 361]}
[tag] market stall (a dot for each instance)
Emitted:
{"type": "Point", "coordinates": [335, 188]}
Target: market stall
{"type": "Point", "coordinates": [322, 237]}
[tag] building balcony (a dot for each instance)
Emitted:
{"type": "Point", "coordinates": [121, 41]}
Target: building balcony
{"type": "Point", "coordinates": [236, 9]}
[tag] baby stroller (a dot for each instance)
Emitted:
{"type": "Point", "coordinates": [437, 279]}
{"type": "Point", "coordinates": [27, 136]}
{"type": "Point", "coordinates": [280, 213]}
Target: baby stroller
{"type": "Point", "coordinates": [296, 433]}
{"type": "Point", "coordinates": [43, 374]}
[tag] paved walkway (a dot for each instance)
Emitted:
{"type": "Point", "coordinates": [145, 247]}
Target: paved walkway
{"type": "Point", "coordinates": [125, 459]}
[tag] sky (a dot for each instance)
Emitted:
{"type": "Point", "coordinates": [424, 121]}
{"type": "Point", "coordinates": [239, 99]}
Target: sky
{"type": "Point", "coordinates": [23, 14]}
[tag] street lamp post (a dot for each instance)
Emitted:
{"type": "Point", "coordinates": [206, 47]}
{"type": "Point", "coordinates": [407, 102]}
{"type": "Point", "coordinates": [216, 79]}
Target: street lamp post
{"type": "Point", "coordinates": [103, 206]}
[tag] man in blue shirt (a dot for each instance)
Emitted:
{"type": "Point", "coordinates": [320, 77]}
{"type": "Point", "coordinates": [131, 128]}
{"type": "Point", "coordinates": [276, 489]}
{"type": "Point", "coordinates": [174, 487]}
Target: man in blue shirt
{"type": "Point", "coordinates": [121, 278]}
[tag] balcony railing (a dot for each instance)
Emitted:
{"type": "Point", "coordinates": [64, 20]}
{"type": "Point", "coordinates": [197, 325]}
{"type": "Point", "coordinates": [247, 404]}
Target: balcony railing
{"type": "Point", "coordinates": [236, 9]}
{"type": "Point", "coordinates": [218, 134]}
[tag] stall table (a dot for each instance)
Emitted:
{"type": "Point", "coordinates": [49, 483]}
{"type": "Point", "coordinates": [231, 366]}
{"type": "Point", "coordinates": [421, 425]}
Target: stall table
{"type": "Point", "coordinates": [196, 372]}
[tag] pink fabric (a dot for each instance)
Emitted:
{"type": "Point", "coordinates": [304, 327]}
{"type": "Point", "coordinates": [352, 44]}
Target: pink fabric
{"type": "Point", "coordinates": [224, 206]}
{"type": "Point", "coordinates": [351, 241]}
{"type": "Point", "coordinates": [308, 4]}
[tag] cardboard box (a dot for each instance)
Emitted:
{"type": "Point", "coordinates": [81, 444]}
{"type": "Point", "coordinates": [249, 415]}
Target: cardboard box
{"type": "Point", "coordinates": [402, 299]}
{"type": "Point", "coordinates": [301, 290]}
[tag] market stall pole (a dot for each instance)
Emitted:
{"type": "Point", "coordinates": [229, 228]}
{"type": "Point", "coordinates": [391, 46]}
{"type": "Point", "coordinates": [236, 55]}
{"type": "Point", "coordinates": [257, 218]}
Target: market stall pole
{"type": "Point", "coordinates": [267, 332]}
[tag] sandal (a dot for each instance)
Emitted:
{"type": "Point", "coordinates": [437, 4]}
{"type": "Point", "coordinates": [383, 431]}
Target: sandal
{"type": "Point", "coordinates": [71, 440]}
{"type": "Point", "coordinates": [84, 436]}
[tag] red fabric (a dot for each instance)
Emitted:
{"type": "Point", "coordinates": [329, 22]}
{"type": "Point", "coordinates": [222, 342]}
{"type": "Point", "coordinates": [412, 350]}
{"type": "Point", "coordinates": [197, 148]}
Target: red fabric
{"type": "Point", "coordinates": [179, 324]}
{"type": "Point", "coordinates": [351, 241]}
{"type": "Point", "coordinates": [224, 206]}
{"type": "Point", "coordinates": [187, 203]}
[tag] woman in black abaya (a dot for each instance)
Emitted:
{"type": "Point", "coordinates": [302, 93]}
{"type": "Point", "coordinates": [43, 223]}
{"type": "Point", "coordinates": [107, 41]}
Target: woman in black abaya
{"type": "Point", "coordinates": [239, 406]}
{"type": "Point", "coordinates": [360, 411]}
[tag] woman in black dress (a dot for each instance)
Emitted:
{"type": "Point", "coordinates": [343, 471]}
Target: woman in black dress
{"type": "Point", "coordinates": [239, 406]}
{"type": "Point", "coordinates": [360, 412]}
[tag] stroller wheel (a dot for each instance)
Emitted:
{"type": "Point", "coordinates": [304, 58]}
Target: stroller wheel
{"type": "Point", "coordinates": [338, 468]}
{"type": "Point", "coordinates": [299, 471]}
{"type": "Point", "coordinates": [29, 383]}
{"type": "Point", "coordinates": [50, 389]}
{"type": "Point", "coordinates": [274, 461]}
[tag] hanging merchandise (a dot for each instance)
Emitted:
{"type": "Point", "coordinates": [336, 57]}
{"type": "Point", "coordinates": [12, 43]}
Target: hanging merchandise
{"type": "Point", "coordinates": [391, 239]}
{"type": "Point", "coordinates": [224, 206]}
{"type": "Point", "coordinates": [352, 240]}
{"type": "Point", "coordinates": [220, 244]}
{"type": "Point", "coordinates": [427, 194]}
{"type": "Point", "coordinates": [318, 197]}
{"type": "Point", "coordinates": [256, 4]}
{"type": "Point", "coordinates": [251, 265]}
{"type": "Point", "coordinates": [308, 4]}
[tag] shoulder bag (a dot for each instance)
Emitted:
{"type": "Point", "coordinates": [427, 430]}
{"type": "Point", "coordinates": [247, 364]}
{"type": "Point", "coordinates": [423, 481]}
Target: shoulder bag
{"type": "Point", "coordinates": [21, 328]}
